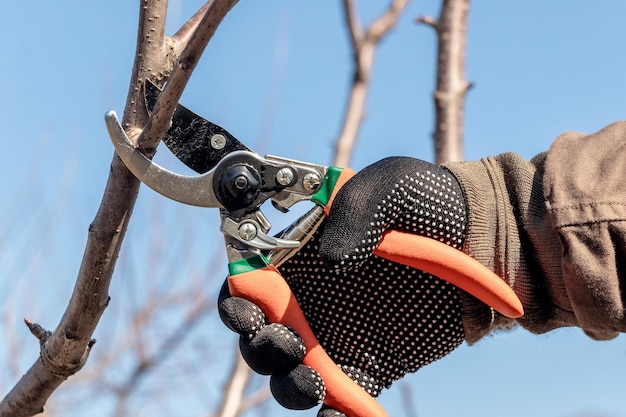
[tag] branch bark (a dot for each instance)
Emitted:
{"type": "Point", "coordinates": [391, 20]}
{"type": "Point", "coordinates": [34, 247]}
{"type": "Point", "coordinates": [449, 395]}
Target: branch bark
{"type": "Point", "coordinates": [195, 36]}
{"type": "Point", "coordinates": [364, 44]}
{"type": "Point", "coordinates": [65, 350]}
{"type": "Point", "coordinates": [452, 87]}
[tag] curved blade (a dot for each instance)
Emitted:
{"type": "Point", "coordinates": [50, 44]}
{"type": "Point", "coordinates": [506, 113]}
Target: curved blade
{"type": "Point", "coordinates": [195, 141]}
{"type": "Point", "coordinates": [196, 190]}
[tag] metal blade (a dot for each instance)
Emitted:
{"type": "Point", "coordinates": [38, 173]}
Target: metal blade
{"type": "Point", "coordinates": [197, 190]}
{"type": "Point", "coordinates": [195, 141]}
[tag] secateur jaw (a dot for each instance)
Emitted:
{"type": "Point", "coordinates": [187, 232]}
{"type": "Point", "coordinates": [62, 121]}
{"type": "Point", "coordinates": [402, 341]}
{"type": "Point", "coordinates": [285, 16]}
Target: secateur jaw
{"type": "Point", "coordinates": [237, 185]}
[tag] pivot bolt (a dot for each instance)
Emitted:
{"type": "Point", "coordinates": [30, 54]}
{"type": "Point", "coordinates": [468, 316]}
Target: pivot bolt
{"type": "Point", "coordinates": [241, 182]}
{"type": "Point", "coordinates": [247, 231]}
{"type": "Point", "coordinates": [218, 141]}
{"type": "Point", "coordinates": [311, 181]}
{"type": "Point", "coordinates": [284, 176]}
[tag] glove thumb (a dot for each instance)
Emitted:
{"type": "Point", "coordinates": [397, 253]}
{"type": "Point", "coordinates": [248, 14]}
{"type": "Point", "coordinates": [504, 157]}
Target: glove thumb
{"type": "Point", "coordinates": [400, 193]}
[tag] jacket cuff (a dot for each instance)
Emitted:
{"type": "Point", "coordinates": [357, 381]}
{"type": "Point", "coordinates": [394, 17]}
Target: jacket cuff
{"type": "Point", "coordinates": [488, 221]}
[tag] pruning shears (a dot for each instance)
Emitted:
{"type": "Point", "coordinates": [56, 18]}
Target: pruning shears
{"type": "Point", "coordinates": [237, 181]}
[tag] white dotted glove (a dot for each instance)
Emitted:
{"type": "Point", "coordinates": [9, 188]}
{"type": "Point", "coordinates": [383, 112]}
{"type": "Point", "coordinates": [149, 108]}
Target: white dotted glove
{"type": "Point", "coordinates": [376, 319]}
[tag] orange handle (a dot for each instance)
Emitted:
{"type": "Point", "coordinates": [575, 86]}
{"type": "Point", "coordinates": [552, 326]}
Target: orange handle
{"type": "Point", "coordinates": [266, 288]}
{"type": "Point", "coordinates": [451, 265]}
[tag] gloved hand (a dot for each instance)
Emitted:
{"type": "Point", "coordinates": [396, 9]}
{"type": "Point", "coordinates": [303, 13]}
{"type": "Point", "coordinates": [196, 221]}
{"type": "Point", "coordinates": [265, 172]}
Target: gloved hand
{"type": "Point", "coordinates": [376, 319]}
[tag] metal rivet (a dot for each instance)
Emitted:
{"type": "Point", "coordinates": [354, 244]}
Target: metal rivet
{"type": "Point", "coordinates": [284, 176]}
{"type": "Point", "coordinates": [311, 181]}
{"type": "Point", "coordinates": [247, 231]}
{"type": "Point", "coordinates": [218, 141]}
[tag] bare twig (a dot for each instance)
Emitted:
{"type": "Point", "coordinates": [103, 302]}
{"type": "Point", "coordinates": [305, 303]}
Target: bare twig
{"type": "Point", "coordinates": [12, 343]}
{"type": "Point", "coordinates": [149, 61]}
{"type": "Point", "coordinates": [255, 399]}
{"type": "Point", "coordinates": [407, 400]}
{"type": "Point", "coordinates": [39, 332]}
{"type": "Point", "coordinates": [235, 387]}
{"type": "Point", "coordinates": [452, 87]}
{"type": "Point", "coordinates": [67, 348]}
{"type": "Point", "coordinates": [165, 349]}
{"type": "Point", "coordinates": [364, 44]}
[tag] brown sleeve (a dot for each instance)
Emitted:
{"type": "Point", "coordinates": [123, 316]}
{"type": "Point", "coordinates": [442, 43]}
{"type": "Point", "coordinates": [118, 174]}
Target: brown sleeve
{"type": "Point", "coordinates": [554, 228]}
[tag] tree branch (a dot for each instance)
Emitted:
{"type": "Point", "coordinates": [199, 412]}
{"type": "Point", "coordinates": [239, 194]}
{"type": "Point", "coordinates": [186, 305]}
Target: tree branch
{"type": "Point", "coordinates": [198, 32]}
{"type": "Point", "coordinates": [255, 399]}
{"type": "Point", "coordinates": [149, 60]}
{"type": "Point", "coordinates": [182, 37]}
{"type": "Point", "coordinates": [67, 348]}
{"type": "Point", "coordinates": [452, 87]}
{"type": "Point", "coordinates": [355, 31]}
{"type": "Point", "coordinates": [235, 387]}
{"type": "Point", "coordinates": [385, 22]}
{"type": "Point", "coordinates": [39, 332]}
{"type": "Point", "coordinates": [364, 44]}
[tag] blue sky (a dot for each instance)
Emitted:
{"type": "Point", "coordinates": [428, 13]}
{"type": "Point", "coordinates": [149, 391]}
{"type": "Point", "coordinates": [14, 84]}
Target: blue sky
{"type": "Point", "coordinates": [276, 75]}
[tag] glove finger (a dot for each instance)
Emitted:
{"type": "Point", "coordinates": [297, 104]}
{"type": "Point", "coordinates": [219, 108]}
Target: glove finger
{"type": "Point", "coordinates": [329, 412]}
{"type": "Point", "coordinates": [363, 379]}
{"type": "Point", "coordinates": [240, 315]}
{"type": "Point", "coordinates": [299, 389]}
{"type": "Point", "coordinates": [275, 349]}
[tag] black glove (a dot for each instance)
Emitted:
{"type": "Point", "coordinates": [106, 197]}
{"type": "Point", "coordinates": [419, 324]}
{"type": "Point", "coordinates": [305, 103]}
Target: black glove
{"type": "Point", "coordinates": [376, 319]}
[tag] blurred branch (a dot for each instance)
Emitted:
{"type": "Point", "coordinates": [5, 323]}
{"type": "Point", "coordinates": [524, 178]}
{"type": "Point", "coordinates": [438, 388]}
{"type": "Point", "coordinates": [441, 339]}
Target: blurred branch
{"type": "Point", "coordinates": [452, 87]}
{"type": "Point", "coordinates": [364, 44]}
{"type": "Point", "coordinates": [167, 347]}
{"type": "Point", "coordinates": [150, 54]}
{"type": "Point", "coordinates": [407, 400]}
{"type": "Point", "coordinates": [234, 403]}
{"type": "Point", "coordinates": [255, 399]}
{"type": "Point", "coordinates": [232, 399]}
{"type": "Point", "coordinates": [66, 350]}
{"type": "Point", "coordinates": [39, 332]}
{"type": "Point", "coordinates": [10, 339]}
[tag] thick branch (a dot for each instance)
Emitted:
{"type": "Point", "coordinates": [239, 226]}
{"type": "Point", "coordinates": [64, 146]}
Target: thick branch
{"type": "Point", "coordinates": [452, 87]}
{"type": "Point", "coordinates": [150, 54]}
{"type": "Point", "coordinates": [203, 27]}
{"type": "Point", "coordinates": [39, 332]}
{"type": "Point", "coordinates": [67, 348]}
{"type": "Point", "coordinates": [364, 44]}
